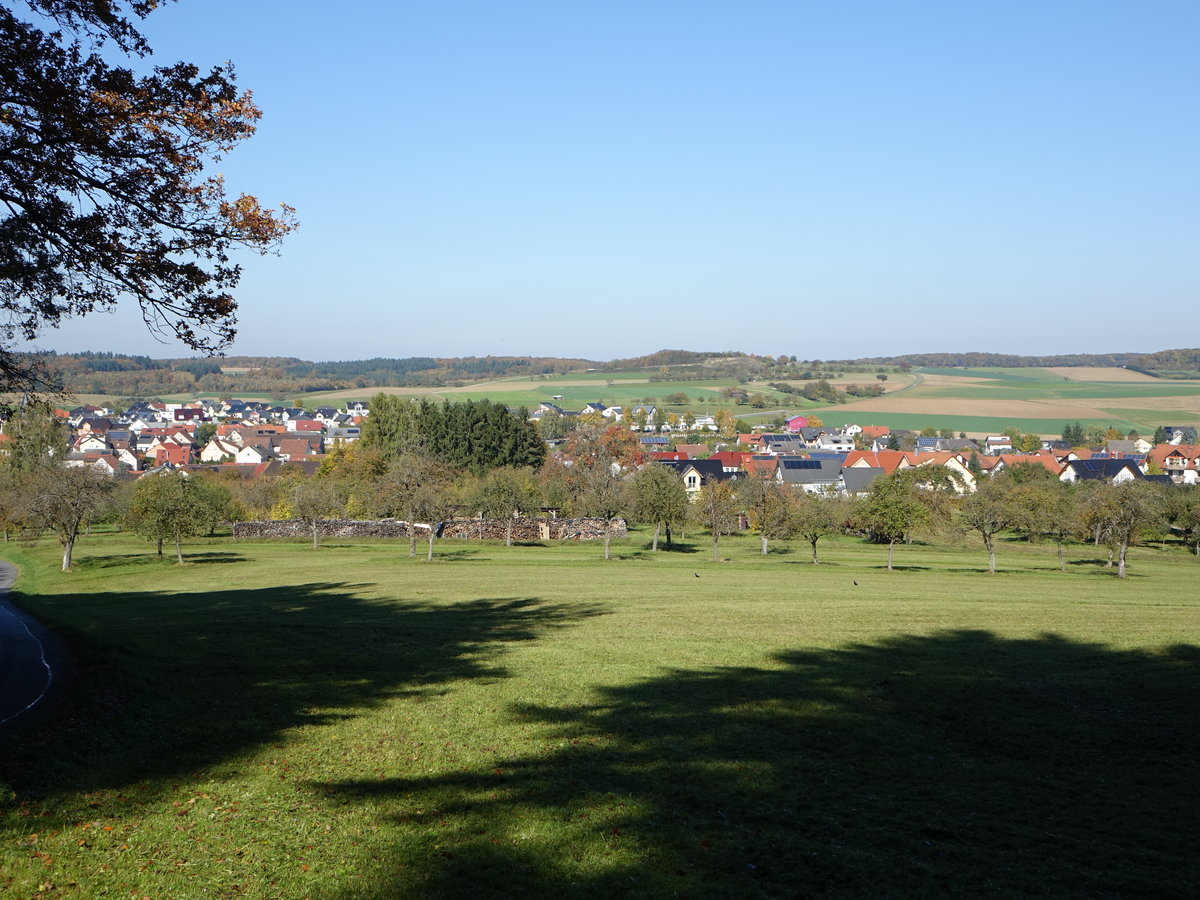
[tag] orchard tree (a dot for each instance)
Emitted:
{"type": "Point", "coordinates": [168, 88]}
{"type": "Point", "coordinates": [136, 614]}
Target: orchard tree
{"type": "Point", "coordinates": [37, 439]}
{"type": "Point", "coordinates": [414, 488]}
{"type": "Point", "coordinates": [893, 509]}
{"type": "Point", "coordinates": [1183, 509]}
{"type": "Point", "coordinates": [171, 505]}
{"type": "Point", "coordinates": [814, 516]}
{"type": "Point", "coordinates": [106, 177]}
{"type": "Point", "coordinates": [716, 509]}
{"type": "Point", "coordinates": [507, 492]}
{"type": "Point", "coordinates": [1117, 514]}
{"type": "Point", "coordinates": [989, 511]}
{"type": "Point", "coordinates": [62, 500]}
{"type": "Point", "coordinates": [1043, 508]}
{"type": "Point", "coordinates": [314, 500]}
{"type": "Point", "coordinates": [598, 490]}
{"type": "Point", "coordinates": [656, 496]}
{"type": "Point", "coordinates": [769, 506]}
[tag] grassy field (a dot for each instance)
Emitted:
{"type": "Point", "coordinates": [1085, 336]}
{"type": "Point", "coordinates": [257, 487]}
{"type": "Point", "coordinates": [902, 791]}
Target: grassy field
{"type": "Point", "coordinates": [270, 721]}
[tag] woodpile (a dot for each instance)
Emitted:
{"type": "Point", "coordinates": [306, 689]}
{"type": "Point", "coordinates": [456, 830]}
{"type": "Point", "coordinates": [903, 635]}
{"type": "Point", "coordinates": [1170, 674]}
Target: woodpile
{"type": "Point", "coordinates": [342, 528]}
{"type": "Point", "coordinates": [523, 529]}
{"type": "Point", "coordinates": [529, 528]}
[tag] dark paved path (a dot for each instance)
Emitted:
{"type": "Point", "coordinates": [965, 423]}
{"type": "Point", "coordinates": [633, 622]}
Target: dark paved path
{"type": "Point", "coordinates": [26, 665]}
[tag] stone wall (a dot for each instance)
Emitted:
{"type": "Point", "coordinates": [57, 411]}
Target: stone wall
{"type": "Point", "coordinates": [529, 528]}
{"type": "Point", "coordinates": [290, 528]}
{"type": "Point", "coordinates": [524, 529]}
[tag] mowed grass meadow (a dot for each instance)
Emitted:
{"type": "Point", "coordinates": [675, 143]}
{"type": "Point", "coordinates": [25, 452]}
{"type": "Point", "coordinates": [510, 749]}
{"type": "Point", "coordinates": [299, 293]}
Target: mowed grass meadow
{"type": "Point", "coordinates": [273, 721]}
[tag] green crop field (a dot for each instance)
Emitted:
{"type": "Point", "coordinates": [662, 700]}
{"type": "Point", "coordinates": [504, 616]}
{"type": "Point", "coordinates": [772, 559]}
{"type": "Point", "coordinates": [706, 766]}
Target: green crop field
{"type": "Point", "coordinates": [273, 721]}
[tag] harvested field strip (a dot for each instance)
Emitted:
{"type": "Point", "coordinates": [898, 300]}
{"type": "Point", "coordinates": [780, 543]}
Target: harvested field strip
{"type": "Point", "coordinates": [1069, 392]}
{"type": "Point", "coordinates": [1100, 373]}
{"type": "Point", "coordinates": [992, 374]}
{"type": "Point", "coordinates": [1016, 409]}
{"type": "Point", "coordinates": [972, 425]}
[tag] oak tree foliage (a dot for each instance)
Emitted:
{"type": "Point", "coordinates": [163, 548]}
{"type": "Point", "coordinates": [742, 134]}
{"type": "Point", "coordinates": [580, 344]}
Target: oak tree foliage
{"type": "Point", "coordinates": [106, 184]}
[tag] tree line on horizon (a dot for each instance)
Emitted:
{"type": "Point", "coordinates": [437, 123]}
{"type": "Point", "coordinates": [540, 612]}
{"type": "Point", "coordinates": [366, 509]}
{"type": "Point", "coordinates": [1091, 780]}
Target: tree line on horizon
{"type": "Point", "coordinates": [133, 375]}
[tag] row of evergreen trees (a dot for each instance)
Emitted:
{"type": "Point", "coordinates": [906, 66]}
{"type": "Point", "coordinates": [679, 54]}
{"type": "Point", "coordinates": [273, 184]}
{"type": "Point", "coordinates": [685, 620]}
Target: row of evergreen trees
{"type": "Point", "coordinates": [477, 435]}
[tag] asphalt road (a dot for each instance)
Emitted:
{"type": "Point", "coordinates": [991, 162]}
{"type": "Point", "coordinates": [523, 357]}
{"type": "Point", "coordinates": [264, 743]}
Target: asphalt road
{"type": "Point", "coordinates": [26, 665]}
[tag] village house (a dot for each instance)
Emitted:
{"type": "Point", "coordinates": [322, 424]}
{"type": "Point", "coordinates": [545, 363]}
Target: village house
{"type": "Point", "coordinates": [1114, 471]}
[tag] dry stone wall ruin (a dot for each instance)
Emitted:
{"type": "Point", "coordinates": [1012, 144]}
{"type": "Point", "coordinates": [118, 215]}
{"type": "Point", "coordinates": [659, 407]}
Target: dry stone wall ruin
{"type": "Point", "coordinates": [523, 529]}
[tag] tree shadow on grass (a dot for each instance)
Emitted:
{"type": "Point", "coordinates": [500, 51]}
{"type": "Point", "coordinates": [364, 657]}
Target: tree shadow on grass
{"type": "Point", "coordinates": [125, 560]}
{"type": "Point", "coordinates": [958, 763]}
{"type": "Point", "coordinates": [678, 547]}
{"type": "Point", "coordinates": [169, 684]}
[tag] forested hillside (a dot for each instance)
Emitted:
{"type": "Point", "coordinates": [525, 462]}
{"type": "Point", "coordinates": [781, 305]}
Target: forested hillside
{"type": "Point", "coordinates": [130, 375]}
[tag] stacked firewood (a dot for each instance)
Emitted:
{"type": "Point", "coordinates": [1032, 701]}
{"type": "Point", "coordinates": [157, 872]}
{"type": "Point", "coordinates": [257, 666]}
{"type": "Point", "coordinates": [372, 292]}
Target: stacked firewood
{"type": "Point", "coordinates": [523, 529]}
{"type": "Point", "coordinates": [288, 528]}
{"type": "Point", "coordinates": [531, 528]}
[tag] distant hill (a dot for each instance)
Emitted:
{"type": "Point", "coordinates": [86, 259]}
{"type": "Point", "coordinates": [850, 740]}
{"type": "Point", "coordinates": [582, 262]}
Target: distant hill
{"type": "Point", "coordinates": [127, 375]}
{"type": "Point", "coordinates": [974, 360]}
{"type": "Point", "coordinates": [1164, 363]}
{"type": "Point", "coordinates": [130, 375]}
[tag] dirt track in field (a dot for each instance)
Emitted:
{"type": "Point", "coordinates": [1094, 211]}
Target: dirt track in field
{"type": "Point", "coordinates": [954, 380]}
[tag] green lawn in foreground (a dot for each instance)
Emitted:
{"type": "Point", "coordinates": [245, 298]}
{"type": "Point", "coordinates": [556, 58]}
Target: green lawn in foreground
{"type": "Point", "coordinates": [270, 721]}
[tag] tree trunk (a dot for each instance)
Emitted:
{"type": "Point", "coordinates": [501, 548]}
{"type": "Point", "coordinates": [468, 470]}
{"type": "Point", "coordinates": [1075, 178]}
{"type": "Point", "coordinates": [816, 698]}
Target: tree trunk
{"type": "Point", "coordinates": [179, 551]}
{"type": "Point", "coordinates": [716, 538]}
{"type": "Point", "coordinates": [68, 546]}
{"type": "Point", "coordinates": [669, 539]}
{"type": "Point", "coordinates": [1062, 565]}
{"type": "Point", "coordinates": [160, 543]}
{"type": "Point", "coordinates": [764, 544]}
{"type": "Point", "coordinates": [412, 540]}
{"type": "Point", "coordinates": [607, 539]}
{"type": "Point", "coordinates": [1108, 565]}
{"type": "Point", "coordinates": [429, 556]}
{"type": "Point", "coordinates": [654, 542]}
{"type": "Point", "coordinates": [508, 533]}
{"type": "Point", "coordinates": [316, 525]}
{"type": "Point", "coordinates": [813, 541]}
{"type": "Point", "coordinates": [1121, 559]}
{"type": "Point", "coordinates": [891, 552]}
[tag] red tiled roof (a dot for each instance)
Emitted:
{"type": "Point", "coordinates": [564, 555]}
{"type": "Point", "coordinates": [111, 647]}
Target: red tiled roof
{"type": "Point", "coordinates": [888, 460]}
{"type": "Point", "coordinates": [1042, 459]}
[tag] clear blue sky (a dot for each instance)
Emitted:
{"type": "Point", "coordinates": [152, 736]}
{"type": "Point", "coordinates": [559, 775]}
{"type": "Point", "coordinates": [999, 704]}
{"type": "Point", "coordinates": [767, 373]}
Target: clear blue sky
{"type": "Point", "coordinates": [604, 179]}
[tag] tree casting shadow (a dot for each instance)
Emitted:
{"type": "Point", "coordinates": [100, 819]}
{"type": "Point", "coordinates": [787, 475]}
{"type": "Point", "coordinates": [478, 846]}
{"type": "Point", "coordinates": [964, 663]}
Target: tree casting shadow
{"type": "Point", "coordinates": [959, 763]}
{"type": "Point", "coordinates": [183, 682]}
